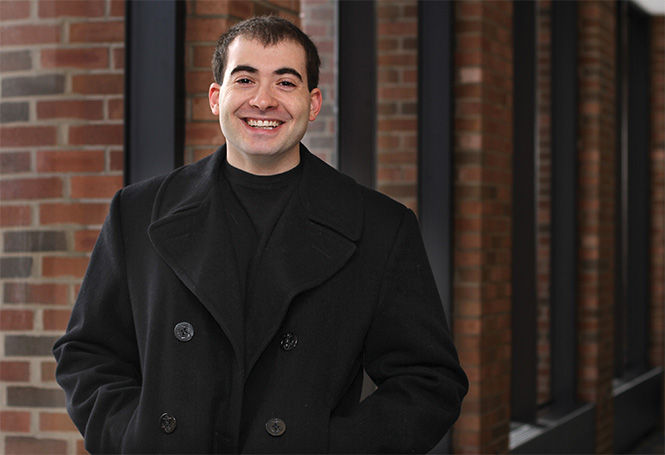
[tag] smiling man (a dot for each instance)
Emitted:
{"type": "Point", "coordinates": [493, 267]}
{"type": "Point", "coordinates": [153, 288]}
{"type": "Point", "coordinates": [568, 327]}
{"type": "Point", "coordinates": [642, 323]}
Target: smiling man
{"type": "Point", "coordinates": [233, 305]}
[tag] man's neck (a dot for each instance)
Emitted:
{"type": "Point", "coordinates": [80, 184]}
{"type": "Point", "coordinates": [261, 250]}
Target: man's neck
{"type": "Point", "coordinates": [263, 164]}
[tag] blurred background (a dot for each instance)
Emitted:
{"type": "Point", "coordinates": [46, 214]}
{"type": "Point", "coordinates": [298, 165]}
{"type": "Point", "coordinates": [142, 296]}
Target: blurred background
{"type": "Point", "coordinates": [529, 137]}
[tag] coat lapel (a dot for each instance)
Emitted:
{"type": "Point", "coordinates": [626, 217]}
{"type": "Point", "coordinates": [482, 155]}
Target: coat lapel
{"type": "Point", "coordinates": [190, 232]}
{"type": "Point", "coordinates": [315, 236]}
{"type": "Point", "coordinates": [312, 240]}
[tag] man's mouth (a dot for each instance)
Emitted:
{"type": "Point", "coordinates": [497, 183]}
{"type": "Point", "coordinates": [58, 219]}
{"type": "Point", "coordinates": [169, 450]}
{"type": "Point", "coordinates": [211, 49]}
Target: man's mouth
{"type": "Point", "coordinates": [263, 124]}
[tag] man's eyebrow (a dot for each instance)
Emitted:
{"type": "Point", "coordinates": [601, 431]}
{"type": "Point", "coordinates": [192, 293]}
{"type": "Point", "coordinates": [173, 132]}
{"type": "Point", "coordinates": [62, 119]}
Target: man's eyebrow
{"type": "Point", "coordinates": [246, 68]}
{"type": "Point", "coordinates": [287, 70]}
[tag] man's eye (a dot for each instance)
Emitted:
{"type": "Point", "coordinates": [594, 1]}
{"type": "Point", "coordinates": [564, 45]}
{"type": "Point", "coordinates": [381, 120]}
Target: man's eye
{"type": "Point", "coordinates": [244, 80]}
{"type": "Point", "coordinates": [286, 84]}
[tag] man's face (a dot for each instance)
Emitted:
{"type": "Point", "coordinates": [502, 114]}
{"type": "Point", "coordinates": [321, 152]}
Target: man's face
{"type": "Point", "coordinates": [264, 104]}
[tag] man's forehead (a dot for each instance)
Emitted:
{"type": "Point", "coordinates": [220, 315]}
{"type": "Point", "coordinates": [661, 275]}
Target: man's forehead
{"type": "Point", "coordinates": [242, 45]}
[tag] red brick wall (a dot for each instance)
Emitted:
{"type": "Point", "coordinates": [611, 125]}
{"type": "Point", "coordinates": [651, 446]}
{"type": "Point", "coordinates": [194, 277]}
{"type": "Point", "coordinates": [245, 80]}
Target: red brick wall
{"type": "Point", "coordinates": [657, 339]}
{"type": "Point", "coordinates": [596, 215]}
{"type": "Point", "coordinates": [206, 20]}
{"type": "Point", "coordinates": [60, 162]}
{"type": "Point", "coordinates": [319, 21]}
{"type": "Point", "coordinates": [397, 100]}
{"type": "Point", "coordinates": [482, 224]}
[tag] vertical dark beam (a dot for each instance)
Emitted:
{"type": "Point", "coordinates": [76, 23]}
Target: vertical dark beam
{"type": "Point", "coordinates": [621, 199]}
{"type": "Point", "coordinates": [154, 88]}
{"type": "Point", "coordinates": [435, 139]}
{"type": "Point", "coordinates": [357, 90]}
{"type": "Point", "coordinates": [637, 291]}
{"type": "Point", "coordinates": [564, 213]}
{"type": "Point", "coordinates": [524, 317]}
{"type": "Point", "coordinates": [435, 148]}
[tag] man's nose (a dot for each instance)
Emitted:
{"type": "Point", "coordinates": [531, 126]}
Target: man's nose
{"type": "Point", "coordinates": [263, 99]}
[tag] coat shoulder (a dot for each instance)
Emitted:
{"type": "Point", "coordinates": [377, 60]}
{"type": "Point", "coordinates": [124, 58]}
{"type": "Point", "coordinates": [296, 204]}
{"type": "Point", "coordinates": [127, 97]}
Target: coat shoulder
{"type": "Point", "coordinates": [159, 194]}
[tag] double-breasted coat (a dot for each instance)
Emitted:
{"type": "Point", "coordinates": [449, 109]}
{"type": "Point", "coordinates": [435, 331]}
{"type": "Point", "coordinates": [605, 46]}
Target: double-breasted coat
{"type": "Point", "coordinates": [162, 356]}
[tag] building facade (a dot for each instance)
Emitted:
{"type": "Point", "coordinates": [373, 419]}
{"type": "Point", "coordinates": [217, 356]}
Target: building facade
{"type": "Point", "coordinates": [529, 137]}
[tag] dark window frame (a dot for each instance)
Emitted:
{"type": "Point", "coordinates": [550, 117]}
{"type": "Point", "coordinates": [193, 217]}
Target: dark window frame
{"type": "Point", "coordinates": [356, 145]}
{"type": "Point", "coordinates": [154, 88]}
{"type": "Point", "coordinates": [564, 240]}
{"type": "Point", "coordinates": [523, 383]}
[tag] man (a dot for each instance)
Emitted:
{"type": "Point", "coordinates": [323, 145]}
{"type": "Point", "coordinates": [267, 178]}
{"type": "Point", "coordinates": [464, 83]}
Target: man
{"type": "Point", "coordinates": [233, 305]}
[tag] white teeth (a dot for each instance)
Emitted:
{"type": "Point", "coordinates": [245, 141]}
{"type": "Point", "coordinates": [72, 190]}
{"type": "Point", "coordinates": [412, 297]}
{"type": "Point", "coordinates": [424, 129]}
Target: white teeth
{"type": "Point", "coordinates": [269, 124]}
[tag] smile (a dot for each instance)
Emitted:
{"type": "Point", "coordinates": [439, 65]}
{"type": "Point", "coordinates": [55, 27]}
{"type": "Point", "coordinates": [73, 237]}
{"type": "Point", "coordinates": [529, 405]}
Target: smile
{"type": "Point", "coordinates": [264, 124]}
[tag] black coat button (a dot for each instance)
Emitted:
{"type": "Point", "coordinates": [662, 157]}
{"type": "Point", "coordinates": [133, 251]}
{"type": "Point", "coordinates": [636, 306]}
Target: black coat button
{"type": "Point", "coordinates": [289, 341]}
{"type": "Point", "coordinates": [275, 427]}
{"type": "Point", "coordinates": [167, 423]}
{"type": "Point", "coordinates": [183, 331]}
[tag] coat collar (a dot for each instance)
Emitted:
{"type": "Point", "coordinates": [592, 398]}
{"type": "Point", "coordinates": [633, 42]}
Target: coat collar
{"type": "Point", "coordinates": [313, 239]}
{"type": "Point", "coordinates": [329, 197]}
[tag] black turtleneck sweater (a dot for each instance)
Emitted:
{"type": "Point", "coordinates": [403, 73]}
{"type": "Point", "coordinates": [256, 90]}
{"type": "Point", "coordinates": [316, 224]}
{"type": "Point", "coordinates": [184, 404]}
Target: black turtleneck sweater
{"type": "Point", "coordinates": [254, 206]}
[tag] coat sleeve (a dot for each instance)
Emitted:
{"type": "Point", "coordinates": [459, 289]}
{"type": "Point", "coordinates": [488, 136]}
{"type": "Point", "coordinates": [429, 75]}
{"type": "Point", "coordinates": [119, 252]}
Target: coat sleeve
{"type": "Point", "coordinates": [410, 356]}
{"type": "Point", "coordinates": [98, 362]}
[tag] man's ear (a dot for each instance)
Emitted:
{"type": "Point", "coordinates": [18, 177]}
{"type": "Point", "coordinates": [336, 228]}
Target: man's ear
{"type": "Point", "coordinates": [213, 98]}
{"type": "Point", "coordinates": [315, 101]}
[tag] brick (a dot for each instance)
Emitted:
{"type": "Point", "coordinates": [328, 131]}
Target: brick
{"type": "Point", "coordinates": [34, 241]}
{"type": "Point", "coordinates": [74, 109]}
{"type": "Point", "coordinates": [203, 133]}
{"type": "Point", "coordinates": [84, 58]}
{"type": "Point", "coordinates": [96, 135]}
{"type": "Point", "coordinates": [201, 109]}
{"type": "Point", "coordinates": [26, 345]}
{"type": "Point", "coordinates": [402, 59]}
{"type": "Point", "coordinates": [85, 240]}
{"type": "Point", "coordinates": [398, 124]}
{"type": "Point", "coordinates": [72, 8]}
{"type": "Point", "coordinates": [70, 161]}
{"type": "Point", "coordinates": [15, 421]}
{"type": "Point", "coordinates": [31, 188]}
{"type": "Point", "coordinates": [205, 29]}
{"type": "Point", "coordinates": [19, 445]}
{"type": "Point", "coordinates": [14, 371]}
{"type": "Point", "coordinates": [27, 136]}
{"type": "Point", "coordinates": [55, 421]}
{"type": "Point", "coordinates": [14, 60]}
{"type": "Point", "coordinates": [98, 84]}
{"type": "Point", "coordinates": [116, 109]}
{"type": "Point", "coordinates": [117, 161]}
{"type": "Point", "coordinates": [14, 162]}
{"type": "Point", "coordinates": [15, 215]}
{"type": "Point", "coordinates": [56, 319]}
{"type": "Point", "coordinates": [95, 32]}
{"type": "Point", "coordinates": [14, 112]}
{"type": "Point", "coordinates": [15, 267]}
{"type": "Point", "coordinates": [48, 371]}
{"type": "Point", "coordinates": [95, 186]}
{"type": "Point", "coordinates": [203, 56]}
{"type": "Point", "coordinates": [198, 82]}
{"type": "Point", "coordinates": [14, 9]}
{"type": "Point", "coordinates": [119, 58]}
{"type": "Point", "coordinates": [239, 8]}
{"type": "Point", "coordinates": [61, 266]}
{"type": "Point", "coordinates": [398, 93]}
{"type": "Point", "coordinates": [43, 293]}
{"type": "Point", "coordinates": [45, 84]}
{"type": "Point", "coordinates": [16, 320]}
{"type": "Point", "coordinates": [61, 213]}
{"type": "Point", "coordinates": [118, 8]}
{"type": "Point", "coordinates": [29, 34]}
{"type": "Point", "coordinates": [402, 28]}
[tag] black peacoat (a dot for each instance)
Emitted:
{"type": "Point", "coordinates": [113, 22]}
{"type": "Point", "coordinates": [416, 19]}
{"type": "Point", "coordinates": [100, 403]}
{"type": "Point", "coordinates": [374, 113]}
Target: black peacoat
{"type": "Point", "coordinates": [156, 358]}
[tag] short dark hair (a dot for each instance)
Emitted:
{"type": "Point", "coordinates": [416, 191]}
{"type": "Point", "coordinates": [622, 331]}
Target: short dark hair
{"type": "Point", "coordinates": [268, 30]}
